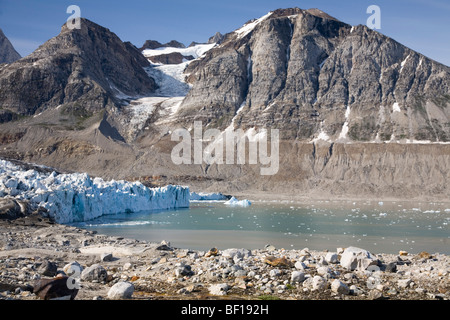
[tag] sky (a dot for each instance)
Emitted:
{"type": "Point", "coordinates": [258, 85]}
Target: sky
{"type": "Point", "coordinates": [422, 25]}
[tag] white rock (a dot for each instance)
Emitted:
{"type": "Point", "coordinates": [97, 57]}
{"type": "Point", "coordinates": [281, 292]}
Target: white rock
{"type": "Point", "coordinates": [219, 289]}
{"type": "Point", "coordinates": [323, 271]}
{"type": "Point", "coordinates": [332, 257]}
{"type": "Point", "coordinates": [236, 253]}
{"type": "Point", "coordinates": [275, 273]}
{"type": "Point", "coordinates": [121, 290]}
{"type": "Point", "coordinates": [94, 273]}
{"type": "Point", "coordinates": [403, 283]}
{"type": "Point", "coordinates": [297, 276]}
{"type": "Point", "coordinates": [339, 287]}
{"type": "Point", "coordinates": [357, 259]}
{"type": "Point", "coordinates": [318, 283]}
{"type": "Point", "coordinates": [300, 265]}
{"type": "Point", "coordinates": [127, 266]}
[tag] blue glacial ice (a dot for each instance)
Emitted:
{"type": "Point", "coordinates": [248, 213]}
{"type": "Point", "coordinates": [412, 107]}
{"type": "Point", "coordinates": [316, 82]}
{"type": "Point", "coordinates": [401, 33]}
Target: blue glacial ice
{"type": "Point", "coordinates": [77, 197]}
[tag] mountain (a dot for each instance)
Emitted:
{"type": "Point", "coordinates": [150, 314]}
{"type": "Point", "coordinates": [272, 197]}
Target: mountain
{"type": "Point", "coordinates": [83, 71]}
{"type": "Point", "coordinates": [153, 44]}
{"type": "Point", "coordinates": [7, 52]}
{"type": "Point", "coordinates": [359, 114]}
{"type": "Point", "coordinates": [307, 73]}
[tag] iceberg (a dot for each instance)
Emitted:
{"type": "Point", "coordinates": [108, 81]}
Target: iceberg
{"type": "Point", "coordinates": [77, 197]}
{"type": "Point", "coordinates": [235, 202]}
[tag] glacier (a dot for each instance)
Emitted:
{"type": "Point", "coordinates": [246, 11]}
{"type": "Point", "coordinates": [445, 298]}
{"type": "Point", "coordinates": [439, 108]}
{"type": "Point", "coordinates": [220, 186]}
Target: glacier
{"type": "Point", "coordinates": [203, 196]}
{"type": "Point", "coordinates": [77, 197]}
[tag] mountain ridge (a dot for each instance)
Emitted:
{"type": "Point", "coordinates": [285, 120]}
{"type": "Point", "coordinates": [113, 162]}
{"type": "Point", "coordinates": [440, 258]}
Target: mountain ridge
{"type": "Point", "coordinates": [358, 112]}
{"type": "Point", "coordinates": [315, 73]}
{"type": "Point", "coordinates": [87, 73]}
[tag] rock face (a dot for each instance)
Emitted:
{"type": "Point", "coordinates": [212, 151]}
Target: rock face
{"type": "Point", "coordinates": [217, 38]}
{"type": "Point", "coordinates": [170, 58]}
{"type": "Point", "coordinates": [305, 72]}
{"type": "Point", "coordinates": [83, 70]}
{"type": "Point", "coordinates": [7, 52]}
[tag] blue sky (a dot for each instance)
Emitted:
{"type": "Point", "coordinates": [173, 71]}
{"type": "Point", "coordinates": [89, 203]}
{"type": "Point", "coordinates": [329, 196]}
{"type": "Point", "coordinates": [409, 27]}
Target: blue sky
{"type": "Point", "coordinates": [422, 25]}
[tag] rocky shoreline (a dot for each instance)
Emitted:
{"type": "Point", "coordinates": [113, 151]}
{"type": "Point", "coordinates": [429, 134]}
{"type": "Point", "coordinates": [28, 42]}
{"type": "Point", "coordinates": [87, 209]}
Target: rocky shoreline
{"type": "Point", "coordinates": [34, 249]}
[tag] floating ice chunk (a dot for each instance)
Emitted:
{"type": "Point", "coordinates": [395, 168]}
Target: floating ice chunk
{"type": "Point", "coordinates": [235, 202]}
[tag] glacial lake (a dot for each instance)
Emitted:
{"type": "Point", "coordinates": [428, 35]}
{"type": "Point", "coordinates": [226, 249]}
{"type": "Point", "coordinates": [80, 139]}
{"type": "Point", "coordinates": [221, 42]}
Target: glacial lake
{"type": "Point", "coordinates": [380, 227]}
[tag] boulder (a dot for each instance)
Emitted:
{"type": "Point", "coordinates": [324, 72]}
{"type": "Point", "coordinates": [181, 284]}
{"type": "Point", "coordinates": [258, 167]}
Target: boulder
{"type": "Point", "coordinates": [182, 270]}
{"type": "Point", "coordinates": [48, 268]}
{"type": "Point", "coordinates": [73, 269]}
{"type": "Point", "coordinates": [318, 283]}
{"type": "Point", "coordinates": [94, 273]}
{"type": "Point", "coordinates": [121, 290]}
{"type": "Point", "coordinates": [323, 271]}
{"type": "Point", "coordinates": [354, 258]}
{"type": "Point", "coordinates": [332, 257]}
{"type": "Point", "coordinates": [297, 276]}
{"type": "Point", "coordinates": [106, 257]}
{"type": "Point", "coordinates": [338, 286]}
{"type": "Point", "coordinates": [299, 265]}
{"type": "Point", "coordinates": [315, 283]}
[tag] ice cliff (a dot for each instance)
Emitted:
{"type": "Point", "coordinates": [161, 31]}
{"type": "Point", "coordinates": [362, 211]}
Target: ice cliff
{"type": "Point", "coordinates": [78, 197]}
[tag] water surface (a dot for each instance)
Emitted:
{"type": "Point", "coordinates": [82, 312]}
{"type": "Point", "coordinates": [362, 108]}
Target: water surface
{"type": "Point", "coordinates": [386, 227]}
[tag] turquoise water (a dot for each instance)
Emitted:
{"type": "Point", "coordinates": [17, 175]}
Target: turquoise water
{"type": "Point", "coordinates": [386, 227]}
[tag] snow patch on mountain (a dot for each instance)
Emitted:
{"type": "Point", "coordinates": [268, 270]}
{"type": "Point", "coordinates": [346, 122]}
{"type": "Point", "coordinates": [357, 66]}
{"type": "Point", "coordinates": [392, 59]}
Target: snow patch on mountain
{"type": "Point", "coordinates": [196, 51]}
{"type": "Point", "coordinates": [249, 27]}
{"type": "Point", "coordinates": [344, 131]}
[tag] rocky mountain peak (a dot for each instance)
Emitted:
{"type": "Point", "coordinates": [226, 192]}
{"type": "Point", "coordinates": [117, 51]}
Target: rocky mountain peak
{"type": "Point", "coordinates": [89, 67]}
{"type": "Point", "coordinates": [315, 76]}
{"type": "Point", "coordinates": [153, 44]}
{"type": "Point", "coordinates": [7, 52]}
